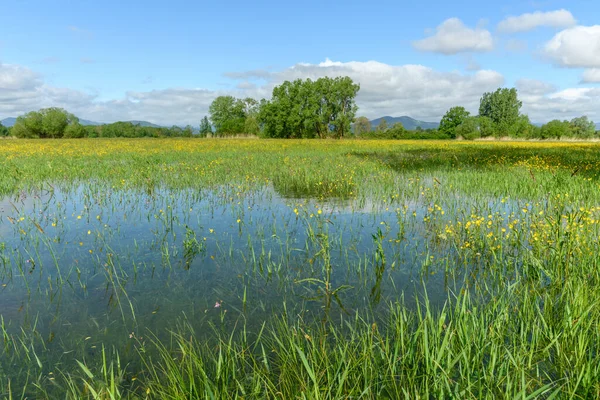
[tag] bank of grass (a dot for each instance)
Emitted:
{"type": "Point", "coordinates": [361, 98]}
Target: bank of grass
{"type": "Point", "coordinates": [525, 323]}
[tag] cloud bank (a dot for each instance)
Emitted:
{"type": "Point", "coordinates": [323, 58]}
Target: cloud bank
{"type": "Point", "coordinates": [415, 90]}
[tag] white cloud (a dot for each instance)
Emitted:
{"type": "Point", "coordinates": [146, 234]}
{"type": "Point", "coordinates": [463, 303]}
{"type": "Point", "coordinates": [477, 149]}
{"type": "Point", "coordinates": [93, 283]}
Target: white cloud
{"type": "Point", "coordinates": [575, 47]}
{"type": "Point", "coordinates": [534, 87]}
{"type": "Point", "coordinates": [452, 37]}
{"type": "Point", "coordinates": [591, 75]}
{"type": "Point", "coordinates": [415, 90]}
{"type": "Point", "coordinates": [516, 46]}
{"type": "Point", "coordinates": [526, 22]}
{"type": "Point", "coordinates": [542, 102]}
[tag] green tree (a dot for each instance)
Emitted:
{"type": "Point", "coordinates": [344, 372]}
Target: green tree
{"type": "Point", "coordinates": [45, 123]}
{"type": "Point", "coordinates": [582, 127]}
{"type": "Point", "coordinates": [205, 128]}
{"type": "Point", "coordinates": [320, 108]}
{"type": "Point", "coordinates": [228, 115]}
{"type": "Point", "coordinates": [29, 126]}
{"type": "Point", "coordinates": [251, 126]}
{"type": "Point", "coordinates": [362, 126]}
{"type": "Point", "coordinates": [523, 128]}
{"type": "Point", "coordinates": [382, 126]}
{"type": "Point", "coordinates": [452, 119]}
{"type": "Point", "coordinates": [468, 129]}
{"type": "Point", "coordinates": [3, 130]}
{"type": "Point", "coordinates": [74, 131]}
{"type": "Point", "coordinates": [397, 131]}
{"type": "Point", "coordinates": [486, 126]}
{"type": "Point", "coordinates": [555, 129]}
{"type": "Point", "coordinates": [503, 108]}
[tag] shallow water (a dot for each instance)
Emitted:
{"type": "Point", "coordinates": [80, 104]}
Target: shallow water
{"type": "Point", "coordinates": [89, 268]}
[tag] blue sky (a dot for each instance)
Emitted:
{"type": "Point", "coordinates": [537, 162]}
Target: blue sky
{"type": "Point", "coordinates": [165, 61]}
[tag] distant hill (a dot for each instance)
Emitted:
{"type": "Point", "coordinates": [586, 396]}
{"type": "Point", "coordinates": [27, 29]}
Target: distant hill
{"type": "Point", "coordinates": [8, 122]}
{"type": "Point", "coordinates": [408, 123]}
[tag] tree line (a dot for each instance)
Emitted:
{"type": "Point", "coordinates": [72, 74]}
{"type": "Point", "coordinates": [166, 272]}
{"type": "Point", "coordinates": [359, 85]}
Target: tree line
{"type": "Point", "coordinates": [322, 108]}
{"type": "Point", "coordinates": [57, 123]}
{"type": "Point", "coordinates": [499, 116]}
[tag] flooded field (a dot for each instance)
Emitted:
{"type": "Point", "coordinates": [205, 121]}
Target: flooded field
{"type": "Point", "coordinates": [291, 269]}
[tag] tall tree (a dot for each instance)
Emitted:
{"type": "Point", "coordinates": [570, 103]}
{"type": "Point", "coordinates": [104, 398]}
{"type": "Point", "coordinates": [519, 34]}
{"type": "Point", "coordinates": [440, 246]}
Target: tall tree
{"type": "Point", "coordinates": [227, 115]}
{"type": "Point", "coordinates": [453, 118]}
{"type": "Point", "coordinates": [45, 123]}
{"type": "Point", "coordinates": [382, 126]}
{"type": "Point", "coordinates": [362, 126]}
{"type": "Point", "coordinates": [3, 130]}
{"type": "Point", "coordinates": [555, 129]}
{"type": "Point", "coordinates": [582, 127]}
{"type": "Point", "coordinates": [320, 108]}
{"type": "Point", "coordinates": [503, 108]}
{"type": "Point", "coordinates": [205, 128]}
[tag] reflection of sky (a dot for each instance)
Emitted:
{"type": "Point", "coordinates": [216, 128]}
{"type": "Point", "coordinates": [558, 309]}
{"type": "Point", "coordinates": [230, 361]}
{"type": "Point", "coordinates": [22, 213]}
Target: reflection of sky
{"type": "Point", "coordinates": [111, 250]}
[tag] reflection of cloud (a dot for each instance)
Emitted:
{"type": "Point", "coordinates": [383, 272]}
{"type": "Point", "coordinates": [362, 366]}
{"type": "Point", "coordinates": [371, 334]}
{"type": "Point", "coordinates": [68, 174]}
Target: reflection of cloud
{"type": "Point", "coordinates": [452, 37]}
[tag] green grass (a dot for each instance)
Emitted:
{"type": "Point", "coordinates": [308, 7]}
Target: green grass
{"type": "Point", "coordinates": [504, 301]}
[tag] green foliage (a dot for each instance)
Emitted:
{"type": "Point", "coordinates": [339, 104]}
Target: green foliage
{"type": "Point", "coordinates": [397, 131]}
{"type": "Point", "coordinates": [468, 129]}
{"type": "Point", "coordinates": [383, 126]}
{"type": "Point", "coordinates": [453, 118]}
{"type": "Point", "coordinates": [205, 128]}
{"type": "Point", "coordinates": [362, 125]}
{"type": "Point", "coordinates": [228, 115]}
{"type": "Point", "coordinates": [46, 123]}
{"type": "Point", "coordinates": [582, 127]}
{"type": "Point", "coordinates": [74, 131]}
{"type": "Point", "coordinates": [307, 109]}
{"type": "Point", "coordinates": [502, 107]}
{"type": "Point", "coordinates": [3, 130]}
{"type": "Point", "coordinates": [524, 128]}
{"type": "Point", "coordinates": [555, 129]}
{"type": "Point", "coordinates": [486, 126]}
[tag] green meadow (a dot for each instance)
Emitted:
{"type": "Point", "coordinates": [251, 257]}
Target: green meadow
{"type": "Point", "coordinates": [299, 269]}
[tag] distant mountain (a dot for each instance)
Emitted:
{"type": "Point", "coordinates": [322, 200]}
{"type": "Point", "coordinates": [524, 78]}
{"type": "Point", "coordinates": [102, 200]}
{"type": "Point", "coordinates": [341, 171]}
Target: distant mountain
{"type": "Point", "coordinates": [145, 124]}
{"type": "Point", "coordinates": [8, 122]}
{"type": "Point", "coordinates": [85, 122]}
{"type": "Point", "coordinates": [408, 123]}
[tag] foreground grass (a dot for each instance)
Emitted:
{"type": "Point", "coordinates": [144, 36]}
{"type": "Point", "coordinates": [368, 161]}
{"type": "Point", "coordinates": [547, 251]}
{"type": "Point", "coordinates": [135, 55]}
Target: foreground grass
{"type": "Point", "coordinates": [523, 323]}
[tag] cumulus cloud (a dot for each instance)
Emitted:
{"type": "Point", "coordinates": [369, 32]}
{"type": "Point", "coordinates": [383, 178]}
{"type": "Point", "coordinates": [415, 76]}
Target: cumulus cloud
{"type": "Point", "coordinates": [414, 90]}
{"type": "Point", "coordinates": [452, 37]}
{"type": "Point", "coordinates": [516, 46]}
{"type": "Point", "coordinates": [543, 102]}
{"type": "Point", "coordinates": [527, 22]}
{"type": "Point", "coordinates": [534, 87]}
{"type": "Point", "coordinates": [575, 47]}
{"type": "Point", "coordinates": [591, 75]}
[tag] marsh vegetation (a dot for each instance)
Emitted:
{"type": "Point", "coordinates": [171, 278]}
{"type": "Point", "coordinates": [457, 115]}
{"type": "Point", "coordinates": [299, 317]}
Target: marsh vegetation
{"type": "Point", "coordinates": [299, 269]}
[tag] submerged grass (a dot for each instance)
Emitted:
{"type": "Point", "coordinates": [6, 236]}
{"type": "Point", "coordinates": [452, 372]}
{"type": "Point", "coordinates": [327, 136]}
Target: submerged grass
{"type": "Point", "coordinates": [398, 269]}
